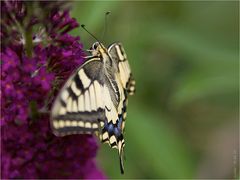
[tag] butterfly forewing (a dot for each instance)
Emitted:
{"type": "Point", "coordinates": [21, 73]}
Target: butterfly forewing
{"type": "Point", "coordinates": [117, 53]}
{"type": "Point", "coordinates": [79, 106]}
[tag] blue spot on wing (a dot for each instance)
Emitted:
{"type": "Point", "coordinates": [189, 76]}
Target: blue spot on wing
{"type": "Point", "coordinates": [119, 124]}
{"type": "Point", "coordinates": [114, 129]}
{"type": "Point", "coordinates": [117, 132]}
{"type": "Point", "coordinates": [110, 128]}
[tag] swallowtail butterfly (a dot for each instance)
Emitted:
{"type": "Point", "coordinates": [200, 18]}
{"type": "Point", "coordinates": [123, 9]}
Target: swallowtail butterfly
{"type": "Point", "coordinates": [94, 98]}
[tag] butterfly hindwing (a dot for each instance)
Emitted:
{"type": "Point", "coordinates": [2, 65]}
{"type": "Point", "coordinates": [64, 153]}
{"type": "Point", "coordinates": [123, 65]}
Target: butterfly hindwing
{"type": "Point", "coordinates": [79, 106]}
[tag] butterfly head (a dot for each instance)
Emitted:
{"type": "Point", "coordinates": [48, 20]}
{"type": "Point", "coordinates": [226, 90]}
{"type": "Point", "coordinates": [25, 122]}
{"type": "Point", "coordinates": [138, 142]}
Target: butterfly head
{"type": "Point", "coordinates": [98, 49]}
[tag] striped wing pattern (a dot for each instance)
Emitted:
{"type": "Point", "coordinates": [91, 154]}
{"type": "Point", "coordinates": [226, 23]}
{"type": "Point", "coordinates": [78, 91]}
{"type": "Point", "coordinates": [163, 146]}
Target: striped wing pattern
{"type": "Point", "coordinates": [126, 86]}
{"type": "Point", "coordinates": [94, 99]}
{"type": "Point", "coordinates": [79, 106]}
{"type": "Point", "coordinates": [118, 54]}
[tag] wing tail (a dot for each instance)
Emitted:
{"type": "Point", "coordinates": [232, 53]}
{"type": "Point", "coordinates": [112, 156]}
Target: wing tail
{"type": "Point", "coordinates": [121, 155]}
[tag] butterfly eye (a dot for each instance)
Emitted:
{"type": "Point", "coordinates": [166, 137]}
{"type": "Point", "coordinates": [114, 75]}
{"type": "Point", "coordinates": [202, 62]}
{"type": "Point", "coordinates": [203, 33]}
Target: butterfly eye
{"type": "Point", "coordinates": [95, 45]}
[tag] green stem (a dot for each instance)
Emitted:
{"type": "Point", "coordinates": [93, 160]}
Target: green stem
{"type": "Point", "coordinates": [28, 30]}
{"type": "Point", "coordinates": [29, 43]}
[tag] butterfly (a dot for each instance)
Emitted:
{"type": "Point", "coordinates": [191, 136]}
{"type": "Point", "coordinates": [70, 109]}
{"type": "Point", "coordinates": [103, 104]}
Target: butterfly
{"type": "Point", "coordinates": [94, 99]}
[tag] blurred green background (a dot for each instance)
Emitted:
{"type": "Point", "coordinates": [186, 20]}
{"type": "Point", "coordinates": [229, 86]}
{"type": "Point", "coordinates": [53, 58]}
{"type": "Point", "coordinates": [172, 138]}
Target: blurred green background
{"type": "Point", "coordinates": [183, 120]}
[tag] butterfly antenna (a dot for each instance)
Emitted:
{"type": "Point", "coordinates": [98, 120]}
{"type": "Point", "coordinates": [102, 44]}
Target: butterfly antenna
{"type": "Point", "coordinates": [105, 24]}
{"type": "Point", "coordinates": [83, 26]}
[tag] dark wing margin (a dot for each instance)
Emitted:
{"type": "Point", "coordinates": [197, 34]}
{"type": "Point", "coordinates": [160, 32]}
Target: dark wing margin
{"type": "Point", "coordinates": [79, 106]}
{"type": "Point", "coordinates": [119, 56]}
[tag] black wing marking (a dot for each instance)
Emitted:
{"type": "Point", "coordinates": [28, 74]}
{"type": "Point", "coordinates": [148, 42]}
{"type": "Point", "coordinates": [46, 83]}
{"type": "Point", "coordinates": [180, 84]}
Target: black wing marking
{"type": "Point", "coordinates": [79, 106]}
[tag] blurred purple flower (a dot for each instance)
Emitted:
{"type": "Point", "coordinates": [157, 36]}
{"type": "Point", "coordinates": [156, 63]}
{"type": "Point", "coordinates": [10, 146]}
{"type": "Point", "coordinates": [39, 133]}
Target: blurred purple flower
{"type": "Point", "coordinates": [29, 83]}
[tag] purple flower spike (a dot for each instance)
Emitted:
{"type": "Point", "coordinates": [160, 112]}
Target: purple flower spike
{"type": "Point", "coordinates": [37, 56]}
